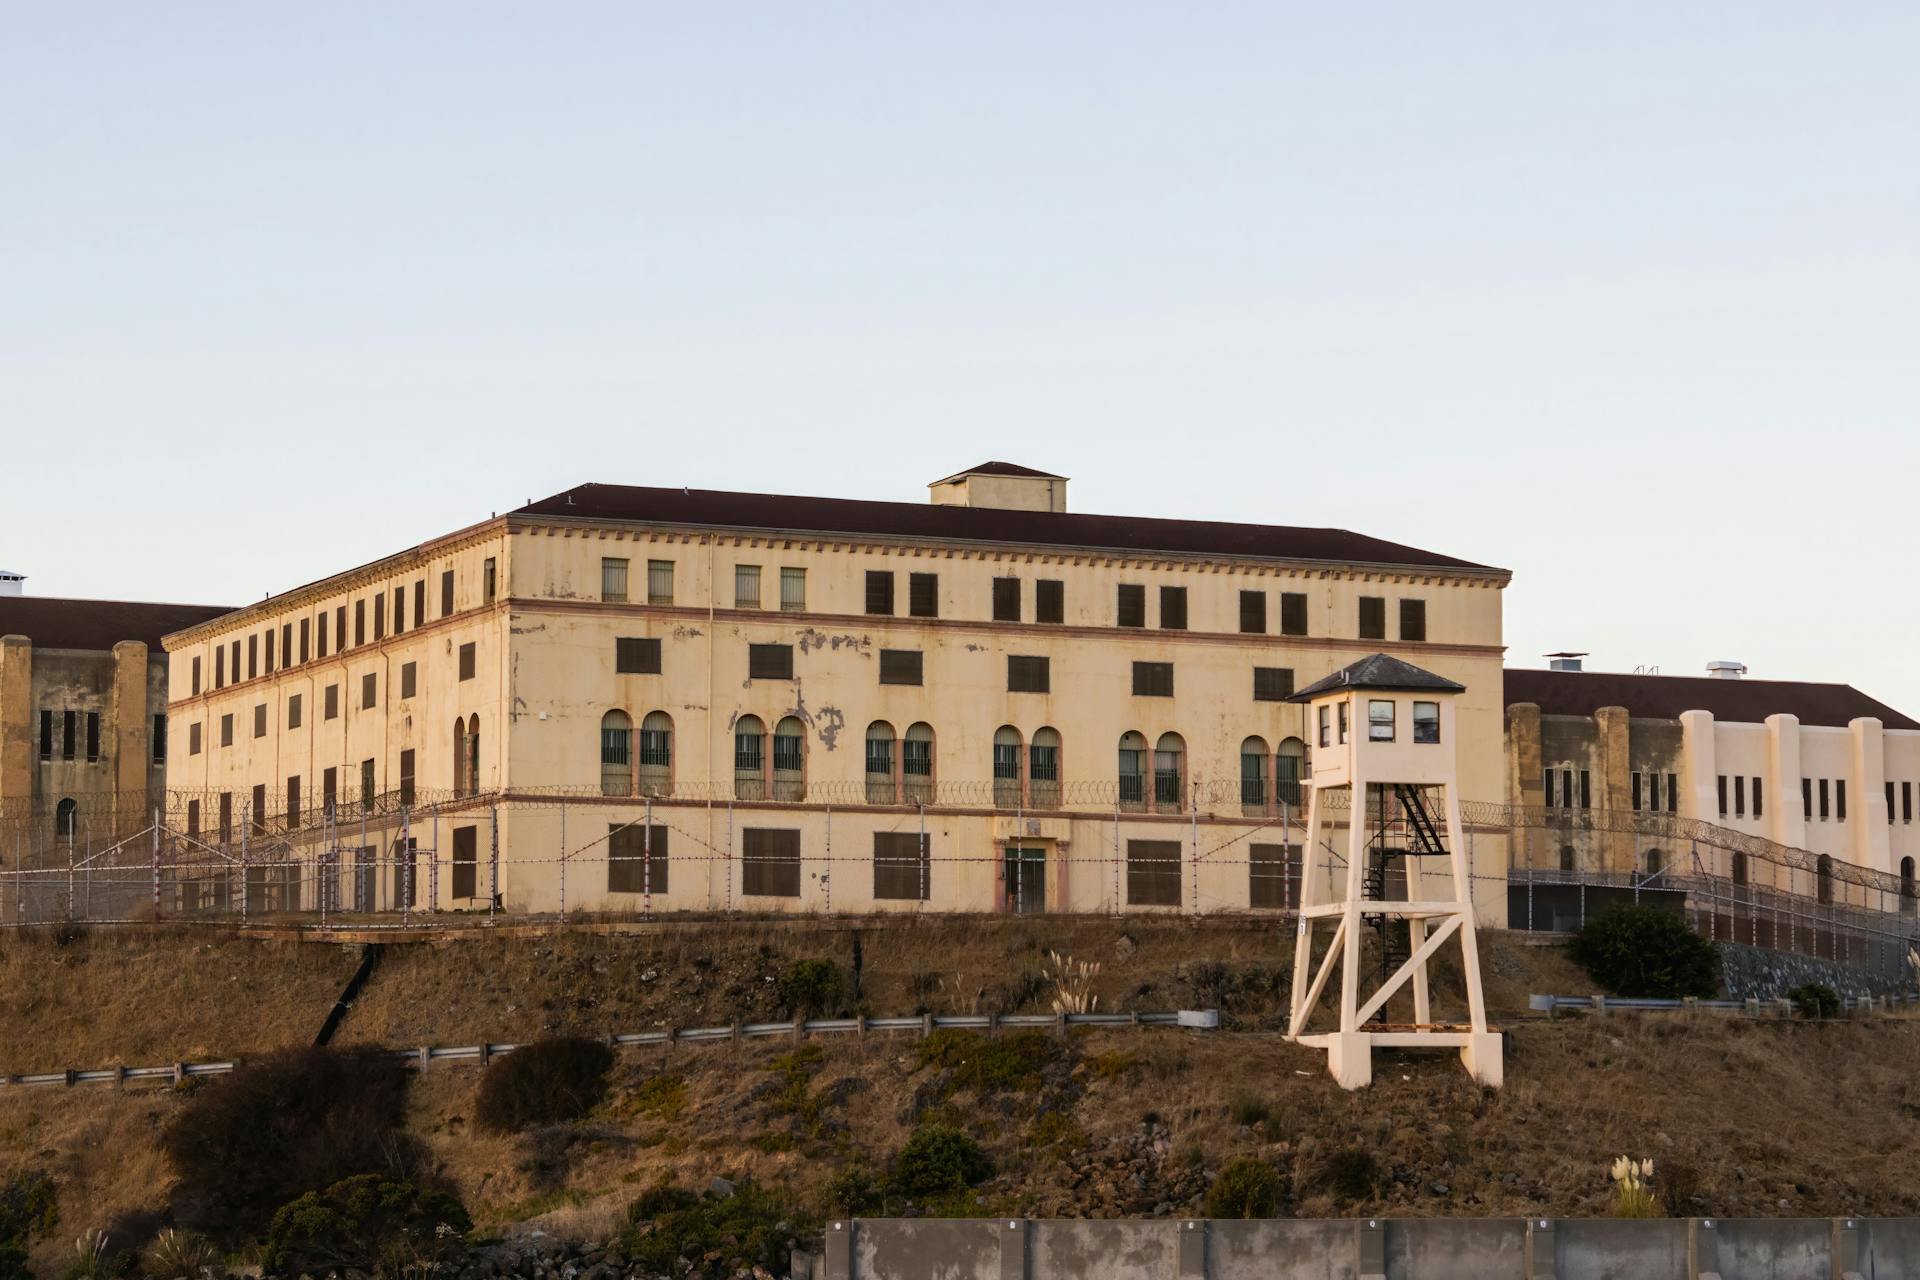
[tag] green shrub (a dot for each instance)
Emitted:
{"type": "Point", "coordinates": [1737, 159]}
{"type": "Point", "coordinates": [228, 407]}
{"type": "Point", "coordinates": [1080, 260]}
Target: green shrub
{"type": "Point", "coordinates": [794, 1096]}
{"type": "Point", "coordinates": [546, 1082]}
{"type": "Point", "coordinates": [749, 1228]}
{"type": "Point", "coordinates": [1350, 1174]}
{"type": "Point", "coordinates": [812, 989]}
{"type": "Point", "coordinates": [29, 1211]}
{"type": "Point", "coordinates": [939, 1160]}
{"type": "Point", "coordinates": [178, 1255]}
{"type": "Point", "coordinates": [366, 1224]}
{"type": "Point", "coordinates": [297, 1121]}
{"type": "Point", "coordinates": [1815, 1000]}
{"type": "Point", "coordinates": [1647, 952]}
{"type": "Point", "coordinates": [1244, 1188]}
{"type": "Point", "coordinates": [1250, 1108]}
{"type": "Point", "coordinates": [986, 1063]}
{"type": "Point", "coordinates": [660, 1097]}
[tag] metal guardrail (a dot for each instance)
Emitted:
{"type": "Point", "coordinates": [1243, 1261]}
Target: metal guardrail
{"type": "Point", "coordinates": [799, 1028]}
{"type": "Point", "coordinates": [1755, 1007]}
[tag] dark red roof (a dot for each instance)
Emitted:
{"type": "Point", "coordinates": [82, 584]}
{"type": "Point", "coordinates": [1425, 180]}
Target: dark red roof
{"type": "Point", "coordinates": [1003, 469]}
{"type": "Point", "coordinates": [52, 623]}
{"type": "Point", "coordinates": [782, 513]}
{"type": "Point", "coordinates": [1581, 693]}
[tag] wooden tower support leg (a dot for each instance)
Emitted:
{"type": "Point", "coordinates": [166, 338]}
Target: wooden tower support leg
{"type": "Point", "coordinates": [1417, 934]}
{"type": "Point", "coordinates": [1482, 1054]}
{"type": "Point", "coordinates": [1350, 1050]}
{"type": "Point", "coordinates": [1303, 928]}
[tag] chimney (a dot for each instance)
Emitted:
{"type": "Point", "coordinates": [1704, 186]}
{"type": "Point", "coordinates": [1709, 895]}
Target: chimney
{"type": "Point", "coordinates": [1724, 670]}
{"type": "Point", "coordinates": [12, 584]}
{"type": "Point", "coordinates": [1004, 486]}
{"type": "Point", "coordinates": [1564, 661]}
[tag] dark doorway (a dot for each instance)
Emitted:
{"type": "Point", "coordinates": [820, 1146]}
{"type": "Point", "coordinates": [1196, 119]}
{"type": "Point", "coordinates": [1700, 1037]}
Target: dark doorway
{"type": "Point", "coordinates": [1026, 877]}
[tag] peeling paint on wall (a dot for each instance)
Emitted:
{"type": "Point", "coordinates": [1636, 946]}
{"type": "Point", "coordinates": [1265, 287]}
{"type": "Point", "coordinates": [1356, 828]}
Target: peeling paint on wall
{"type": "Point", "coordinates": [831, 722]}
{"type": "Point", "coordinates": [810, 639]}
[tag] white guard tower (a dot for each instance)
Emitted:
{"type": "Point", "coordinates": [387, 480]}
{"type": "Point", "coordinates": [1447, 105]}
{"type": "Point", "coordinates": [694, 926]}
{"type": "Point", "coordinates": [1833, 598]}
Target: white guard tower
{"type": "Point", "coordinates": [1383, 732]}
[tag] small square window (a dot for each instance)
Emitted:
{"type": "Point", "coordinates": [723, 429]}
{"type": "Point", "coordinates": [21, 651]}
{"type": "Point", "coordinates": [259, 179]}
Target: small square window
{"type": "Point", "coordinates": [467, 660]}
{"type": "Point", "coordinates": [770, 662]}
{"type": "Point", "coordinates": [900, 666]}
{"type": "Point", "coordinates": [1272, 684]}
{"type": "Point", "coordinates": [1426, 725]}
{"type": "Point", "coordinates": [636, 655]}
{"type": "Point", "coordinates": [1027, 674]}
{"type": "Point", "coordinates": [1380, 720]}
{"type": "Point", "coordinates": [1153, 679]}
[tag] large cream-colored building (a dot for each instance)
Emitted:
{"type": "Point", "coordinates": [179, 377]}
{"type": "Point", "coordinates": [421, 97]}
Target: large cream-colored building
{"type": "Point", "coordinates": [983, 702]}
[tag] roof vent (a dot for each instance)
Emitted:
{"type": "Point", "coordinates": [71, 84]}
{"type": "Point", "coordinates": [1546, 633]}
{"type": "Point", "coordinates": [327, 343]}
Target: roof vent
{"type": "Point", "coordinates": [12, 584]}
{"type": "Point", "coordinates": [1724, 670]}
{"type": "Point", "coordinates": [1564, 661]}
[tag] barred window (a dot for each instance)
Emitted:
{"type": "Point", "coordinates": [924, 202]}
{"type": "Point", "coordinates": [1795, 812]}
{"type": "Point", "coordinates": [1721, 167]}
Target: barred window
{"type": "Point", "coordinates": [1253, 612]}
{"type": "Point", "coordinates": [636, 655]}
{"type": "Point", "coordinates": [1006, 599]}
{"type": "Point", "coordinates": [900, 666]}
{"type": "Point", "coordinates": [1027, 674]}
{"type": "Point", "coordinates": [659, 582]}
{"type": "Point", "coordinates": [613, 579]}
{"type": "Point", "coordinates": [1272, 684]}
{"type": "Point", "coordinates": [1273, 874]}
{"type": "Point", "coordinates": [1049, 600]}
{"type": "Point", "coordinates": [923, 595]}
{"type": "Point", "coordinates": [746, 586]}
{"type": "Point", "coordinates": [793, 590]}
{"type": "Point", "coordinates": [880, 592]}
{"type": "Point", "coordinates": [466, 862]}
{"type": "Point", "coordinates": [1130, 605]}
{"type": "Point", "coordinates": [1173, 608]}
{"type": "Point", "coordinates": [1153, 679]}
{"type": "Point", "coordinates": [1373, 617]}
{"type": "Point", "coordinates": [1413, 619]}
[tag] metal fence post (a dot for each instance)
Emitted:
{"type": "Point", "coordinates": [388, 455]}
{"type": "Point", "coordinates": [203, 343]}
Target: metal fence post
{"type": "Point", "coordinates": [156, 863]}
{"type": "Point", "coordinates": [563, 858]}
{"type": "Point", "coordinates": [493, 860]}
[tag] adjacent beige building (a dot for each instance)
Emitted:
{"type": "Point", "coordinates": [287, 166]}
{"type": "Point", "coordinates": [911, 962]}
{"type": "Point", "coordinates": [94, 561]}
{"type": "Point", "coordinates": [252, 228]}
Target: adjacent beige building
{"type": "Point", "coordinates": [981, 702]}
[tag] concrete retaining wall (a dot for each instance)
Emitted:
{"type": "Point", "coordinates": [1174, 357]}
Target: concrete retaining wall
{"type": "Point", "coordinates": [1370, 1249]}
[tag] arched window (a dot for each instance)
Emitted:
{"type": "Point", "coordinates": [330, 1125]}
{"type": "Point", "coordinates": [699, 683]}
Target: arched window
{"type": "Point", "coordinates": [616, 754]}
{"type": "Point", "coordinates": [1567, 857]}
{"type": "Point", "coordinates": [1043, 769]}
{"type": "Point", "coordinates": [1253, 775]}
{"type": "Point", "coordinates": [1739, 868]}
{"type": "Point", "coordinates": [916, 764]}
{"type": "Point", "coordinates": [1824, 874]}
{"type": "Point", "coordinates": [1006, 767]}
{"type": "Point", "coordinates": [656, 754]}
{"type": "Point", "coordinates": [790, 759]}
{"type": "Point", "coordinates": [749, 759]}
{"type": "Point", "coordinates": [1289, 767]}
{"type": "Point", "coordinates": [1133, 771]}
{"type": "Point", "coordinates": [1654, 863]}
{"type": "Point", "coordinates": [66, 820]}
{"type": "Point", "coordinates": [460, 756]}
{"type": "Point", "coordinates": [880, 788]}
{"type": "Point", "coordinates": [1169, 757]}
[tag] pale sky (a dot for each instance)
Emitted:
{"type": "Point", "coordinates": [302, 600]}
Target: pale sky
{"type": "Point", "coordinates": [1622, 297]}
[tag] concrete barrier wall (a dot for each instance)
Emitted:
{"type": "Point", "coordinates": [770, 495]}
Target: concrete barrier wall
{"type": "Point", "coordinates": [1371, 1249]}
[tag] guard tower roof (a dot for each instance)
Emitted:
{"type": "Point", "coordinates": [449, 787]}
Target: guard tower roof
{"type": "Point", "coordinates": [1379, 671]}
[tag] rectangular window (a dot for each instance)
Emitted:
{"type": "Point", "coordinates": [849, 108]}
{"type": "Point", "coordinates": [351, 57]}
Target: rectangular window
{"type": "Point", "coordinates": [923, 595]}
{"type": "Point", "coordinates": [1029, 674]}
{"type": "Point", "coordinates": [793, 590]}
{"type": "Point", "coordinates": [1153, 873]}
{"type": "Point", "coordinates": [466, 862]}
{"type": "Point", "coordinates": [293, 802]}
{"type": "Point", "coordinates": [93, 735]}
{"type": "Point", "coordinates": [235, 663]}
{"type": "Point", "coordinates": [1756, 799]}
{"type": "Point", "coordinates": [1293, 613]}
{"type": "Point", "coordinates": [489, 580]}
{"type": "Point", "coordinates": [196, 676]}
{"type": "Point", "coordinates": [320, 636]}
{"type": "Point", "coordinates": [1806, 798]}
{"type": "Point", "coordinates": [1889, 804]}
{"type": "Point", "coordinates": [46, 735]}
{"type": "Point", "coordinates": [770, 662]}
{"type": "Point", "coordinates": [329, 788]}
{"type": "Point", "coordinates": [613, 579]}
{"type": "Point", "coordinates": [1426, 723]}
{"type": "Point", "coordinates": [446, 604]}
{"type": "Point", "coordinates": [1173, 608]}
{"type": "Point", "coordinates": [306, 637]}
{"type": "Point", "coordinates": [1839, 799]}
{"type": "Point", "coordinates": [900, 666]}
{"type": "Point", "coordinates": [1006, 599]}
{"type": "Point", "coordinates": [1373, 617]}
{"type": "Point", "coordinates": [368, 788]}
{"type": "Point", "coordinates": [269, 657]}
{"type": "Point", "coordinates": [331, 709]}
{"type": "Point", "coordinates": [253, 656]}
{"type": "Point", "coordinates": [1049, 600]}
{"type": "Point", "coordinates": [1906, 802]}
{"type": "Point", "coordinates": [1547, 788]}
{"type": "Point", "coordinates": [1153, 679]}
{"type": "Point", "coordinates": [1130, 606]}
{"type": "Point", "coordinates": [1272, 684]}
{"type": "Point", "coordinates": [1739, 795]}
{"type": "Point", "coordinates": [746, 586]}
{"type": "Point", "coordinates": [259, 719]}
{"type": "Point", "coordinates": [220, 666]}
{"type": "Point", "coordinates": [159, 743]}
{"type": "Point", "coordinates": [1721, 785]}
{"type": "Point", "coordinates": [1636, 793]}
{"type": "Point", "coordinates": [636, 656]}
{"type": "Point", "coordinates": [409, 673]}
{"type": "Point", "coordinates": [1586, 789]}
{"type": "Point", "coordinates": [902, 871]}
{"type": "Point", "coordinates": [1566, 788]}
{"type": "Point", "coordinates": [406, 777]}
{"type": "Point", "coordinates": [466, 660]}
{"type": "Point", "coordinates": [193, 739]}
{"type": "Point", "coordinates": [379, 616]}
{"type": "Point", "coordinates": [1272, 872]}
{"type": "Point", "coordinates": [400, 610]}
{"type": "Point", "coordinates": [340, 629]}
{"type": "Point", "coordinates": [369, 690]}
{"type": "Point", "coordinates": [1673, 793]}
{"type": "Point", "coordinates": [226, 817]}
{"type": "Point", "coordinates": [1825, 808]}
{"type": "Point", "coordinates": [770, 862]}
{"type": "Point", "coordinates": [226, 729]}
{"type": "Point", "coordinates": [359, 623]}
{"type": "Point", "coordinates": [257, 809]}
{"type": "Point", "coordinates": [1341, 717]}
{"type": "Point", "coordinates": [659, 582]}
{"type": "Point", "coordinates": [1380, 720]}
{"type": "Point", "coordinates": [293, 711]}
{"type": "Point", "coordinates": [1326, 732]}
{"type": "Point", "coordinates": [1253, 618]}
{"type": "Point", "coordinates": [419, 611]}
{"type": "Point", "coordinates": [193, 819]}
{"type": "Point", "coordinates": [1413, 619]}
{"type": "Point", "coordinates": [880, 592]}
